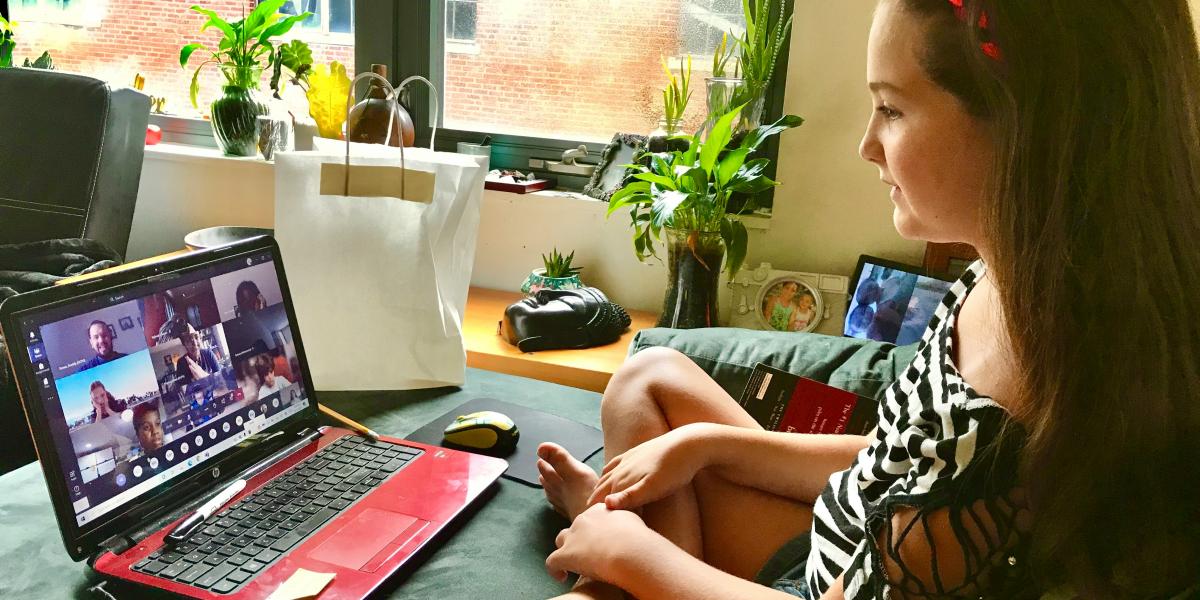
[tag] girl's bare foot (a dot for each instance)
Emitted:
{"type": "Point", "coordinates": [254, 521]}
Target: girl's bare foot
{"type": "Point", "coordinates": [568, 483]}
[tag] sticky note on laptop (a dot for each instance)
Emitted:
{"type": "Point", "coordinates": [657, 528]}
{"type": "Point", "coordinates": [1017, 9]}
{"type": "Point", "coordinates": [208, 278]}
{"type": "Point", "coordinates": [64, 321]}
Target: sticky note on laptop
{"type": "Point", "coordinates": [303, 584]}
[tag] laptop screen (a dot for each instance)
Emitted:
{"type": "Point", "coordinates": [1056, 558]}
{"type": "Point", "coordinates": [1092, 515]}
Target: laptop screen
{"type": "Point", "coordinates": [144, 385]}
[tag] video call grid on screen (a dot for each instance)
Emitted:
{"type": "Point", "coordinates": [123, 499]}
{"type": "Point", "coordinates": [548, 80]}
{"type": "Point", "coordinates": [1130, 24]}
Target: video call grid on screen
{"type": "Point", "coordinates": [890, 304]}
{"type": "Point", "coordinates": [143, 386]}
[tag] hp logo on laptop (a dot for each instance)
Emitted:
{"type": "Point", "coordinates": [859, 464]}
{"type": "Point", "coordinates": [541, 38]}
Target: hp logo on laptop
{"type": "Point", "coordinates": [216, 472]}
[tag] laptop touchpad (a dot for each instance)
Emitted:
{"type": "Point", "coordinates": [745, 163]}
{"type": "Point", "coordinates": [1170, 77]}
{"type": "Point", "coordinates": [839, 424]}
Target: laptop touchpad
{"type": "Point", "coordinates": [371, 531]}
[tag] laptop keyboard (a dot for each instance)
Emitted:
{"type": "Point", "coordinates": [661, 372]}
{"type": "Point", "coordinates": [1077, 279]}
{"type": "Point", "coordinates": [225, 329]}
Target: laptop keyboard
{"type": "Point", "coordinates": [250, 535]}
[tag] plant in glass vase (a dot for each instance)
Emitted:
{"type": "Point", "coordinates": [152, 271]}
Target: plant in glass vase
{"type": "Point", "coordinates": [675, 102]}
{"type": "Point", "coordinates": [246, 46]}
{"type": "Point", "coordinates": [757, 50]}
{"type": "Point", "coordinates": [686, 193]}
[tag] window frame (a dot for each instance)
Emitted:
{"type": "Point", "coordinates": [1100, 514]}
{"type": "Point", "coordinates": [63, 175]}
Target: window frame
{"type": "Point", "coordinates": [79, 14]}
{"type": "Point", "coordinates": [323, 35]}
{"type": "Point", "coordinates": [408, 36]}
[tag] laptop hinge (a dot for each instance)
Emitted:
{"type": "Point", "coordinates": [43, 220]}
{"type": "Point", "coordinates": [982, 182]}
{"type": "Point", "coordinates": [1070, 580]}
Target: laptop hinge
{"type": "Point", "coordinates": [117, 544]}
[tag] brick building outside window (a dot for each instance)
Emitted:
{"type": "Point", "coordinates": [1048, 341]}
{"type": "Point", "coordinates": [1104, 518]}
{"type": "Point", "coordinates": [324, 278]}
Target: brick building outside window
{"type": "Point", "coordinates": [570, 69]}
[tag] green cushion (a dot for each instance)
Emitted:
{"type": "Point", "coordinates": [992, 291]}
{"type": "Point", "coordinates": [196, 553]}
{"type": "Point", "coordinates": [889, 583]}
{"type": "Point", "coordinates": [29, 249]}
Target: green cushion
{"type": "Point", "coordinates": [864, 367]}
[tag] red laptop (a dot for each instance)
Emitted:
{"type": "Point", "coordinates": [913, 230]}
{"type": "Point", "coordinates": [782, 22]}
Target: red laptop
{"type": "Point", "coordinates": [152, 390]}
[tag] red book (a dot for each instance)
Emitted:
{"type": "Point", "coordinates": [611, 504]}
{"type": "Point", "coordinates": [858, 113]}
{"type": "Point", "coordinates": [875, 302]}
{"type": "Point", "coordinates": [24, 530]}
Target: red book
{"type": "Point", "coordinates": [782, 401]}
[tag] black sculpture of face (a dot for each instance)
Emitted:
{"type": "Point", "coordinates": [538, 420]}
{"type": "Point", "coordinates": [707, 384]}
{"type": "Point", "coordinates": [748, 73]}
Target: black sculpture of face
{"type": "Point", "coordinates": [556, 319]}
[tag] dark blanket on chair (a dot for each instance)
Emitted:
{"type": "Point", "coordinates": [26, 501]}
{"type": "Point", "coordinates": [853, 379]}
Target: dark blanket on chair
{"type": "Point", "coordinates": [24, 268]}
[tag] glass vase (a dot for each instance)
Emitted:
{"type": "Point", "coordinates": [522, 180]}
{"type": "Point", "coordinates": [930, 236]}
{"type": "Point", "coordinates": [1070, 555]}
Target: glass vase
{"type": "Point", "coordinates": [659, 139]}
{"type": "Point", "coordinates": [726, 94]}
{"type": "Point", "coordinates": [694, 263]}
{"type": "Point", "coordinates": [235, 114]}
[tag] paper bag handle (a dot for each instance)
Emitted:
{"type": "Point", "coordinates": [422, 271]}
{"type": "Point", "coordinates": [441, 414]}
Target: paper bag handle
{"type": "Point", "coordinates": [391, 97]}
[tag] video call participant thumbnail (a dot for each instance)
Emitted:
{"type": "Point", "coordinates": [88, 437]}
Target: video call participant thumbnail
{"type": "Point", "coordinates": [104, 405]}
{"type": "Point", "coordinates": [198, 361]}
{"type": "Point", "coordinates": [101, 341]}
{"type": "Point", "coordinates": [147, 422]}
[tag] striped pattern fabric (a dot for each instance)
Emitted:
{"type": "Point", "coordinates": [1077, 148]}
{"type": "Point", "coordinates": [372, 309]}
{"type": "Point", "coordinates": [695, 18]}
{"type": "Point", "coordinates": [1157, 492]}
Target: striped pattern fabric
{"type": "Point", "coordinates": [932, 429]}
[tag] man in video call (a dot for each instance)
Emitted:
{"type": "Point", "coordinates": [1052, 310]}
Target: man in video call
{"type": "Point", "coordinates": [197, 362]}
{"type": "Point", "coordinates": [100, 338]}
{"type": "Point", "coordinates": [148, 425]}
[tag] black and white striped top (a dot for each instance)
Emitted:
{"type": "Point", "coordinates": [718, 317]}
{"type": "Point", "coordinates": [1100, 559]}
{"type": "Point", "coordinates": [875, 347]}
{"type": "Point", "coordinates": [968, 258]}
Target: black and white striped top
{"type": "Point", "coordinates": [931, 440]}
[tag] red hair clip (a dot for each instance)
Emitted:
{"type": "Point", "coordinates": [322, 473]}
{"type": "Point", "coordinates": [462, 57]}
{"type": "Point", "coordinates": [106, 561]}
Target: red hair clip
{"type": "Point", "coordinates": [989, 48]}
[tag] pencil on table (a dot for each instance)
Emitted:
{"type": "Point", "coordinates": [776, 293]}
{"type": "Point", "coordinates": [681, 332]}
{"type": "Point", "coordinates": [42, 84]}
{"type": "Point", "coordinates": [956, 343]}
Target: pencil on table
{"type": "Point", "coordinates": [348, 422]}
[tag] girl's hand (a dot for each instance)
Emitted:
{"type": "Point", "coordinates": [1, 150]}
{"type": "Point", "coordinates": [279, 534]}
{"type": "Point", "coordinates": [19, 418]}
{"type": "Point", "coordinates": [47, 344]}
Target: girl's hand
{"type": "Point", "coordinates": [597, 542]}
{"type": "Point", "coordinates": [652, 470]}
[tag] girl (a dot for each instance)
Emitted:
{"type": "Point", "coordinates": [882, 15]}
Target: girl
{"type": "Point", "coordinates": [805, 312]}
{"type": "Point", "coordinates": [781, 307]}
{"type": "Point", "coordinates": [1031, 444]}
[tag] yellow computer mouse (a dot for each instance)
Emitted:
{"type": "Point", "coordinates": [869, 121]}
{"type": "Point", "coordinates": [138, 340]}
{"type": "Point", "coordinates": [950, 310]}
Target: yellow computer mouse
{"type": "Point", "coordinates": [487, 431]}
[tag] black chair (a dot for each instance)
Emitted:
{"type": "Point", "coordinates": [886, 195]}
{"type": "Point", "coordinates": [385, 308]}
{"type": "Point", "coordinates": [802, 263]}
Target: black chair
{"type": "Point", "coordinates": [71, 152]}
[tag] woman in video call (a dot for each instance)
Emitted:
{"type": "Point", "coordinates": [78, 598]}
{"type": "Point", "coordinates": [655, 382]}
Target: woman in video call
{"type": "Point", "coordinates": [104, 405]}
{"type": "Point", "coordinates": [1033, 444]}
{"type": "Point", "coordinates": [109, 413]}
{"type": "Point", "coordinates": [249, 299]}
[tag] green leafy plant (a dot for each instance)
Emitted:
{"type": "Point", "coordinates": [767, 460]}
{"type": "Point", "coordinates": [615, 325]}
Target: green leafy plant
{"type": "Point", "coordinates": [7, 42]}
{"type": "Point", "coordinates": [677, 93]}
{"type": "Point", "coordinates": [297, 58]}
{"type": "Point", "coordinates": [558, 266]}
{"type": "Point", "coordinates": [721, 57]}
{"type": "Point", "coordinates": [246, 44]}
{"type": "Point", "coordinates": [690, 189]}
{"type": "Point", "coordinates": [767, 27]}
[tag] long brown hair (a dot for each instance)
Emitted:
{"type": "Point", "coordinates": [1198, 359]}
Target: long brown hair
{"type": "Point", "coordinates": [1093, 218]}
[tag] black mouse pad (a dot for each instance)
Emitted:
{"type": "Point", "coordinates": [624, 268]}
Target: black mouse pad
{"type": "Point", "coordinates": [536, 427]}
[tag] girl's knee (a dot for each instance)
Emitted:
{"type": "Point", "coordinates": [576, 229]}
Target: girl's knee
{"type": "Point", "coordinates": [646, 369]}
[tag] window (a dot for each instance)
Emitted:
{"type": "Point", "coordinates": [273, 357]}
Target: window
{"type": "Point", "coordinates": [460, 20]}
{"type": "Point", "coordinates": [62, 12]}
{"type": "Point", "coordinates": [328, 16]}
{"type": "Point", "coordinates": [580, 71]}
{"type": "Point", "coordinates": [114, 47]}
{"type": "Point", "coordinates": [544, 76]}
{"type": "Point", "coordinates": [703, 22]}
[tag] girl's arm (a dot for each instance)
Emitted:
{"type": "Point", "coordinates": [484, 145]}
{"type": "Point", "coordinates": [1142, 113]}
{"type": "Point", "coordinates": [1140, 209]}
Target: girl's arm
{"type": "Point", "coordinates": [672, 573]}
{"type": "Point", "coordinates": [616, 547]}
{"type": "Point", "coordinates": [835, 591]}
{"type": "Point", "coordinates": [792, 465]}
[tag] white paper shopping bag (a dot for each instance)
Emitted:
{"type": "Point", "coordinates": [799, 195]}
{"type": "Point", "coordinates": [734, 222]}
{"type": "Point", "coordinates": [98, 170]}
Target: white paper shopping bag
{"type": "Point", "coordinates": [379, 276]}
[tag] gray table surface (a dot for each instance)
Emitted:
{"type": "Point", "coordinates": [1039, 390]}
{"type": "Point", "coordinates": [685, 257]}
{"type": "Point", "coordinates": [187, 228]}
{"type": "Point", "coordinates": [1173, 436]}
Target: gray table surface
{"type": "Point", "coordinates": [498, 553]}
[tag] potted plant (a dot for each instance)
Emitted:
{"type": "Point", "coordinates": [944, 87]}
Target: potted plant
{"type": "Point", "coordinates": [7, 43]}
{"type": "Point", "coordinates": [675, 101]}
{"type": "Point", "coordinates": [758, 51]}
{"type": "Point", "coordinates": [556, 274]}
{"type": "Point", "coordinates": [686, 193]}
{"type": "Point", "coordinates": [246, 46]}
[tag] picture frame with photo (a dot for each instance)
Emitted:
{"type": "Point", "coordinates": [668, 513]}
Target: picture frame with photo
{"type": "Point", "coordinates": [126, 323]}
{"type": "Point", "coordinates": [789, 304]}
{"type": "Point", "coordinates": [610, 174]}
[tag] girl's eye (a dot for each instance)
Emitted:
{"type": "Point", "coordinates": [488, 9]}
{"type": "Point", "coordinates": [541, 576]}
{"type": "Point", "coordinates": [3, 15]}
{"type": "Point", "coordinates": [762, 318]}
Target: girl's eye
{"type": "Point", "coordinates": [887, 112]}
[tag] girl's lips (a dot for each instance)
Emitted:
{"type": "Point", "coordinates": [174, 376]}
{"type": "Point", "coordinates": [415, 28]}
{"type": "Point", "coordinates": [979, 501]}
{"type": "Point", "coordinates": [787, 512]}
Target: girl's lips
{"type": "Point", "coordinates": [895, 192]}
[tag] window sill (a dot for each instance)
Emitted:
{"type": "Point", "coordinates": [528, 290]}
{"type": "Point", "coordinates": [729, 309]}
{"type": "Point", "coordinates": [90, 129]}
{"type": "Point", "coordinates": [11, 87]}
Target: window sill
{"type": "Point", "coordinates": [462, 47]}
{"type": "Point", "coordinates": [319, 37]}
{"type": "Point", "coordinates": [756, 222]}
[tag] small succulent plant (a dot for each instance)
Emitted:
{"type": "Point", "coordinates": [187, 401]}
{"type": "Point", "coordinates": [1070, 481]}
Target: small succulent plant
{"type": "Point", "coordinates": [558, 265]}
